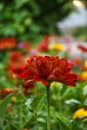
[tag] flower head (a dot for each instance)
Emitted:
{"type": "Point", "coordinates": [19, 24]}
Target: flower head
{"type": "Point", "coordinates": [6, 91]}
{"type": "Point", "coordinates": [82, 48]}
{"type": "Point", "coordinates": [15, 56]}
{"type": "Point", "coordinates": [56, 46]}
{"type": "Point", "coordinates": [43, 46]}
{"type": "Point", "coordinates": [15, 61]}
{"type": "Point", "coordinates": [80, 113]}
{"type": "Point", "coordinates": [47, 69]}
{"type": "Point", "coordinates": [7, 43]}
{"type": "Point", "coordinates": [84, 75]}
{"type": "Point", "coordinates": [85, 65]}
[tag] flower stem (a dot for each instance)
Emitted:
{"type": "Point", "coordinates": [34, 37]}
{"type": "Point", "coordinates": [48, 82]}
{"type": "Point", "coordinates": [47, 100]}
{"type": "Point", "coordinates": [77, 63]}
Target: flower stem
{"type": "Point", "coordinates": [36, 122]}
{"type": "Point", "coordinates": [48, 107]}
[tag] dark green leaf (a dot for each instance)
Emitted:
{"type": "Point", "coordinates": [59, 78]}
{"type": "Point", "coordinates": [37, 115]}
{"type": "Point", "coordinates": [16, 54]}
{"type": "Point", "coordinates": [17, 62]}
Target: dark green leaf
{"type": "Point", "coordinates": [3, 106]}
{"type": "Point", "coordinates": [37, 103]}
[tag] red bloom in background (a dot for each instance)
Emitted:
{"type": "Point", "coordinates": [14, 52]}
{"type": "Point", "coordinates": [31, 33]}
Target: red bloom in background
{"type": "Point", "coordinates": [15, 61]}
{"type": "Point", "coordinates": [48, 38]}
{"type": "Point", "coordinates": [16, 69]}
{"type": "Point", "coordinates": [7, 43]}
{"type": "Point", "coordinates": [82, 48]}
{"type": "Point", "coordinates": [15, 56]}
{"type": "Point", "coordinates": [43, 46]}
{"type": "Point", "coordinates": [28, 85]}
{"type": "Point", "coordinates": [48, 69]}
{"type": "Point", "coordinates": [4, 92]}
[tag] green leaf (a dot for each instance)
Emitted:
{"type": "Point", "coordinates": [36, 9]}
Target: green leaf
{"type": "Point", "coordinates": [3, 106]}
{"type": "Point", "coordinates": [78, 124]}
{"type": "Point", "coordinates": [37, 103]}
{"type": "Point", "coordinates": [62, 124]}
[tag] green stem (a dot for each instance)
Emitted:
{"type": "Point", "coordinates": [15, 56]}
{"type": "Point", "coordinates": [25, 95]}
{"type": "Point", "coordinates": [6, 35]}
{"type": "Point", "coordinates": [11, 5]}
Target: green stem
{"type": "Point", "coordinates": [48, 107]}
{"type": "Point", "coordinates": [20, 117]}
{"type": "Point", "coordinates": [36, 121]}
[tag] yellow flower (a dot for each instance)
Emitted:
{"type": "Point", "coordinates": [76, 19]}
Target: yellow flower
{"type": "Point", "coordinates": [80, 113]}
{"type": "Point", "coordinates": [55, 83]}
{"type": "Point", "coordinates": [85, 64]}
{"type": "Point", "coordinates": [84, 75]}
{"type": "Point", "coordinates": [56, 46]}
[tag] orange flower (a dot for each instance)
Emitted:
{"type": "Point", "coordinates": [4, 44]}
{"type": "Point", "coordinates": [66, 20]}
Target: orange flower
{"type": "Point", "coordinates": [80, 78]}
{"type": "Point", "coordinates": [6, 91]}
{"type": "Point", "coordinates": [7, 43]}
{"type": "Point", "coordinates": [85, 65]}
{"type": "Point", "coordinates": [83, 76]}
{"type": "Point", "coordinates": [76, 60]}
{"type": "Point", "coordinates": [48, 69]}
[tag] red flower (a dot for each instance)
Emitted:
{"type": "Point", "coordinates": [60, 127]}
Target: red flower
{"type": "Point", "coordinates": [43, 46]}
{"type": "Point", "coordinates": [16, 60]}
{"type": "Point", "coordinates": [16, 69]}
{"type": "Point", "coordinates": [50, 37]}
{"type": "Point", "coordinates": [28, 85]}
{"type": "Point", "coordinates": [82, 48]}
{"type": "Point", "coordinates": [48, 69]}
{"type": "Point", "coordinates": [7, 43]}
{"type": "Point", "coordinates": [15, 56]}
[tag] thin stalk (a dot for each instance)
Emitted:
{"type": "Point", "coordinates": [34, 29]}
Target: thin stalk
{"type": "Point", "coordinates": [36, 121]}
{"type": "Point", "coordinates": [48, 107]}
{"type": "Point", "coordinates": [20, 117]}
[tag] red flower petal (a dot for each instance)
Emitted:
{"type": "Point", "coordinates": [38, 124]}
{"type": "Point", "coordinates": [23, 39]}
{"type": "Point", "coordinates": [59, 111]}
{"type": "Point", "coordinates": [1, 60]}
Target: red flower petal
{"type": "Point", "coordinates": [49, 68]}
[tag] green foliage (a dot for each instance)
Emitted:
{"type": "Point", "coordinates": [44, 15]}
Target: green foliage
{"type": "Point", "coordinates": [79, 124]}
{"type": "Point", "coordinates": [81, 33]}
{"type": "Point", "coordinates": [28, 19]}
{"type": "Point", "coordinates": [3, 105]}
{"type": "Point", "coordinates": [37, 103]}
{"type": "Point", "coordinates": [29, 110]}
